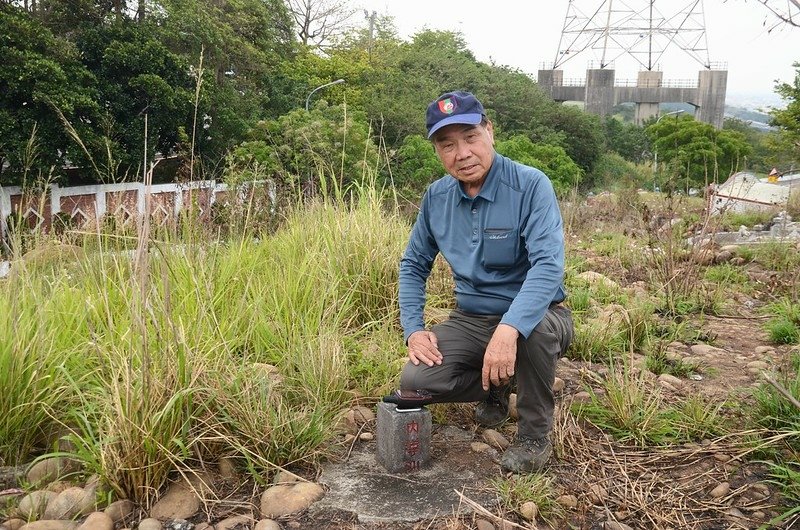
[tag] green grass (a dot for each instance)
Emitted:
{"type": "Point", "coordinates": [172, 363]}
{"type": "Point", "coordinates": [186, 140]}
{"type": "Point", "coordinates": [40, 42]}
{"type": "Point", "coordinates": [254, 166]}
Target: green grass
{"type": "Point", "coordinates": [726, 274]}
{"type": "Point", "coordinates": [538, 488]}
{"type": "Point", "coordinates": [147, 363]}
{"type": "Point", "coordinates": [633, 411]}
{"type": "Point", "coordinates": [784, 327]}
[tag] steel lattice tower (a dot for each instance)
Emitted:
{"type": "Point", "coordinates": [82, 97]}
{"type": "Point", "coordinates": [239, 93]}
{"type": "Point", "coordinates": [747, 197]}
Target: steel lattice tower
{"type": "Point", "coordinates": [639, 29]}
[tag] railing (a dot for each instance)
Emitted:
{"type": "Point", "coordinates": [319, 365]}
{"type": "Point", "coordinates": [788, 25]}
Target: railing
{"type": "Point", "coordinates": [84, 206]}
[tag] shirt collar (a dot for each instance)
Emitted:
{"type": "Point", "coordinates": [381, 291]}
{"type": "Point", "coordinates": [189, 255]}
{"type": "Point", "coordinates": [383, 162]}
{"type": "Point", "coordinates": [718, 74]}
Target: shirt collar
{"type": "Point", "coordinates": [489, 188]}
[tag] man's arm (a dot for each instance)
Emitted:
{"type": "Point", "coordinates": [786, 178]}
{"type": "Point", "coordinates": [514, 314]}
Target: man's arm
{"type": "Point", "coordinates": [542, 231]}
{"type": "Point", "coordinates": [415, 267]}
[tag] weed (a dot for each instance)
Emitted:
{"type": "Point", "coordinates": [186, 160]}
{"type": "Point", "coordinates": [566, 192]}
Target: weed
{"type": "Point", "coordinates": [516, 490]}
{"type": "Point", "coordinates": [658, 362]}
{"type": "Point", "coordinates": [726, 274]}
{"type": "Point", "coordinates": [784, 327]}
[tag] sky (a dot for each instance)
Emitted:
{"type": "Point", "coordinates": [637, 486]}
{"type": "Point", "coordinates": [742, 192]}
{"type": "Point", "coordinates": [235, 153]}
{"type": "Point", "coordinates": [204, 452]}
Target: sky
{"type": "Point", "coordinates": [525, 33]}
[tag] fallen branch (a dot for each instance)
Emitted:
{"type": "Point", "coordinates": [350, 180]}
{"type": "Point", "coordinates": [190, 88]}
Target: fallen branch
{"type": "Point", "coordinates": [782, 390]}
{"type": "Point", "coordinates": [486, 513]}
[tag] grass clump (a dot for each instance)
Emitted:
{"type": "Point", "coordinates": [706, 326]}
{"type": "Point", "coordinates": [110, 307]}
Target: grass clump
{"type": "Point", "coordinates": [784, 327]}
{"type": "Point", "coordinates": [516, 490]}
{"type": "Point", "coordinates": [726, 274]}
{"type": "Point", "coordinates": [632, 410]}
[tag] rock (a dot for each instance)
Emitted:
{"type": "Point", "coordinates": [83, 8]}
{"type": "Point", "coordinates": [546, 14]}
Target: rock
{"type": "Point", "coordinates": [483, 524]}
{"type": "Point", "coordinates": [14, 524]}
{"type": "Point", "coordinates": [705, 349]}
{"type": "Point", "coordinates": [512, 407]}
{"type": "Point", "coordinates": [558, 385]}
{"type": "Point", "coordinates": [597, 494]}
{"type": "Point", "coordinates": [58, 486]}
{"type": "Point", "coordinates": [50, 469]}
{"type": "Point", "coordinates": [267, 524]}
{"type": "Point", "coordinates": [582, 397]}
{"type": "Point", "coordinates": [723, 257]}
{"type": "Point", "coordinates": [734, 513]}
{"type": "Point", "coordinates": [149, 524]}
{"type": "Point", "coordinates": [676, 345]}
{"type": "Point", "coordinates": [756, 367]}
{"type": "Point", "coordinates": [738, 261]}
{"type": "Point", "coordinates": [615, 525]}
{"type": "Point", "coordinates": [668, 387]}
{"type": "Point", "coordinates": [762, 490]}
{"type": "Point", "coordinates": [721, 457]}
{"type": "Point", "coordinates": [51, 524]}
{"type": "Point", "coordinates": [704, 256]}
{"type": "Point", "coordinates": [758, 515]}
{"type": "Point", "coordinates": [231, 523]}
{"type": "Point", "coordinates": [119, 510]}
{"type": "Point", "coordinates": [529, 511]}
{"type": "Point", "coordinates": [761, 350]}
{"type": "Point", "coordinates": [595, 278]}
{"type": "Point", "coordinates": [366, 436]}
{"type": "Point", "coordinates": [33, 505]}
{"type": "Point", "coordinates": [495, 439]}
{"type": "Point", "coordinates": [348, 438]}
{"type": "Point", "coordinates": [179, 524]}
{"type": "Point", "coordinates": [227, 468]}
{"type": "Point", "coordinates": [203, 526]}
{"type": "Point", "coordinates": [568, 501]}
{"type": "Point", "coordinates": [97, 521]}
{"type": "Point", "coordinates": [671, 380]}
{"type": "Point", "coordinates": [286, 499]}
{"type": "Point", "coordinates": [612, 316]}
{"type": "Point", "coordinates": [729, 248]}
{"type": "Point", "coordinates": [358, 416]}
{"type": "Point", "coordinates": [284, 477]}
{"type": "Point", "coordinates": [480, 447]}
{"type": "Point", "coordinates": [179, 502]}
{"type": "Point", "coordinates": [720, 491]}
{"type": "Point", "coordinates": [69, 504]}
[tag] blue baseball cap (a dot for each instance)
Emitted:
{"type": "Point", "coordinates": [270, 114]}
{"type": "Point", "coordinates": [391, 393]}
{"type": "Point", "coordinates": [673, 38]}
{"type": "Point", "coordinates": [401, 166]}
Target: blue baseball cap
{"type": "Point", "coordinates": [453, 107]}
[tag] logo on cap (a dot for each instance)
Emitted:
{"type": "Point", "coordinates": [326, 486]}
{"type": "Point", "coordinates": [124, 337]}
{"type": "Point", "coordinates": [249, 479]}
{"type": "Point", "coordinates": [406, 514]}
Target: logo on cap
{"type": "Point", "coordinates": [447, 106]}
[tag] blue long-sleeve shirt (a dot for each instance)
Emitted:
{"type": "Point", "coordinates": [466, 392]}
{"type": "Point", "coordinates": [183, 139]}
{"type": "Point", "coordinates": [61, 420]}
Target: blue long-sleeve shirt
{"type": "Point", "coordinates": [505, 247]}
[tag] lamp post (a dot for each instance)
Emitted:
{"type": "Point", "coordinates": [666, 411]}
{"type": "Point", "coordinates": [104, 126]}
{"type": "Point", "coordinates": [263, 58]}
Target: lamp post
{"type": "Point", "coordinates": [655, 148]}
{"type": "Point", "coordinates": [321, 87]}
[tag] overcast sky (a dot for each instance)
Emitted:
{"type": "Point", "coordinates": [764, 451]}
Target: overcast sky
{"type": "Point", "coordinates": [525, 33]}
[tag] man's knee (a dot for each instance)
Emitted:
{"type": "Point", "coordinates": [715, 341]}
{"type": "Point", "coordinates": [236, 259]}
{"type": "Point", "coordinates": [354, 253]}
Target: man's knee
{"type": "Point", "coordinates": [435, 379]}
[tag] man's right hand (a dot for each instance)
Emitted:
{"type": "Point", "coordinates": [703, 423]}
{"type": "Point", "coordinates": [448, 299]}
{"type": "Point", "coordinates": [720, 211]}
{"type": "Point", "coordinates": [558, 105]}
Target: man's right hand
{"type": "Point", "coordinates": [423, 347]}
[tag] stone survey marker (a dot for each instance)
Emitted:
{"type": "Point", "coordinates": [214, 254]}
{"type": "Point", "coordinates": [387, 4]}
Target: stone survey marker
{"type": "Point", "coordinates": [404, 438]}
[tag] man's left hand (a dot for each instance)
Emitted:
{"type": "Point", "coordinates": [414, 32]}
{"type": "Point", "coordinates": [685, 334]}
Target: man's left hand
{"type": "Point", "coordinates": [500, 357]}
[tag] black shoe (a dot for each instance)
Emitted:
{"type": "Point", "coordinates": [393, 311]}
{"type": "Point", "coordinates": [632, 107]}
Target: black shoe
{"type": "Point", "coordinates": [493, 411]}
{"type": "Point", "coordinates": [527, 455]}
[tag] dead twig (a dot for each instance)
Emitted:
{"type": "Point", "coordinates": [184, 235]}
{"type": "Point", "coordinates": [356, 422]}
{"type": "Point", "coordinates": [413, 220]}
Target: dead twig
{"type": "Point", "coordinates": [486, 513]}
{"type": "Point", "coordinates": [785, 393]}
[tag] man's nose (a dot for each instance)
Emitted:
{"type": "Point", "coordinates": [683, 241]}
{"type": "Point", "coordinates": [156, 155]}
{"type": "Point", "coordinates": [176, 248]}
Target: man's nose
{"type": "Point", "coordinates": [463, 150]}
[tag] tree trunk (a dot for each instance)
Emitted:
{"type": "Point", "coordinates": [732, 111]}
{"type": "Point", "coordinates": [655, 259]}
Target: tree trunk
{"type": "Point", "coordinates": [140, 11]}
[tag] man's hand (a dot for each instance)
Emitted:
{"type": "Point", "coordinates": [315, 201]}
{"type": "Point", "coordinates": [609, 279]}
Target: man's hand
{"type": "Point", "coordinates": [423, 347]}
{"type": "Point", "coordinates": [500, 357]}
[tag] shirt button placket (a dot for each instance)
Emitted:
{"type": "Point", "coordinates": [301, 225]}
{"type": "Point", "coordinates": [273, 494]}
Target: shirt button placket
{"type": "Point", "coordinates": [474, 224]}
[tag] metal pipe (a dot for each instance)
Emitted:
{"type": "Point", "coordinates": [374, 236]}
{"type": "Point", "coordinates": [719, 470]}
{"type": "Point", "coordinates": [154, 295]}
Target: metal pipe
{"type": "Point", "coordinates": [321, 87]}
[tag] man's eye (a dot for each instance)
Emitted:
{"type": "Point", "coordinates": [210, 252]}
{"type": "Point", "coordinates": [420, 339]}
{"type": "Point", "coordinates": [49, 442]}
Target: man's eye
{"type": "Point", "coordinates": [448, 147]}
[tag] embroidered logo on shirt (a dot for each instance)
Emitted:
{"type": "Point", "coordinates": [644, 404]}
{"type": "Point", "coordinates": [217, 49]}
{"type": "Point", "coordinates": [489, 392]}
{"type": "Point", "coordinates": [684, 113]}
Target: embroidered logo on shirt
{"type": "Point", "coordinates": [447, 106]}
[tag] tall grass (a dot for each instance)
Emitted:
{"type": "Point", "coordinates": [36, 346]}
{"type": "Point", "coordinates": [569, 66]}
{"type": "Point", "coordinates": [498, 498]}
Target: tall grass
{"type": "Point", "coordinates": [201, 347]}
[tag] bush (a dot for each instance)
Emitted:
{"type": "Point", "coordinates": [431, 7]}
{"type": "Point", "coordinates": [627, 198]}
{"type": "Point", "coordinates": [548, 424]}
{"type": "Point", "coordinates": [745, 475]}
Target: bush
{"type": "Point", "coordinates": [551, 159]}
{"type": "Point", "coordinates": [612, 172]}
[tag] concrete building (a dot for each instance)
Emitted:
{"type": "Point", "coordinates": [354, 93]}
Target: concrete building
{"type": "Point", "coordinates": [600, 93]}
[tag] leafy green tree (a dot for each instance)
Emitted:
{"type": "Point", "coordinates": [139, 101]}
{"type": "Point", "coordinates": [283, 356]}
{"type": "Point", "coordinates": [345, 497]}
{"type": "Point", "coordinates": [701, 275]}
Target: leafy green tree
{"type": "Point", "coordinates": [417, 164]}
{"type": "Point", "coordinates": [626, 139]}
{"type": "Point", "coordinates": [329, 146]}
{"type": "Point", "coordinates": [695, 152]}
{"type": "Point", "coordinates": [788, 119]}
{"type": "Point", "coordinates": [553, 160]}
{"type": "Point", "coordinates": [41, 80]}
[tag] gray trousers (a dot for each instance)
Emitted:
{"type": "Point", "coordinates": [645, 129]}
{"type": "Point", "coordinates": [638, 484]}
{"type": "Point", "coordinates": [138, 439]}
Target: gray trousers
{"type": "Point", "coordinates": [462, 341]}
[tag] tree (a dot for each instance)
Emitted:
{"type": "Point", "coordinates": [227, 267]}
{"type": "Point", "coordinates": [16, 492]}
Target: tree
{"type": "Point", "coordinates": [626, 139]}
{"type": "Point", "coordinates": [319, 22]}
{"type": "Point", "coordinates": [696, 153]}
{"type": "Point", "coordinates": [41, 81]}
{"type": "Point", "coordinates": [788, 119]}
{"type": "Point", "coordinates": [553, 160]}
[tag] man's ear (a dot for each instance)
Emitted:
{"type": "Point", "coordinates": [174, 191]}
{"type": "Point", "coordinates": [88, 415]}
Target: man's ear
{"type": "Point", "coordinates": [490, 130]}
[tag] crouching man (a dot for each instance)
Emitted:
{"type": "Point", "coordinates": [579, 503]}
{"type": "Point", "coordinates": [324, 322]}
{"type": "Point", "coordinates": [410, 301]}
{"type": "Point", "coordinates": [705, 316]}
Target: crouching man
{"type": "Point", "coordinates": [498, 225]}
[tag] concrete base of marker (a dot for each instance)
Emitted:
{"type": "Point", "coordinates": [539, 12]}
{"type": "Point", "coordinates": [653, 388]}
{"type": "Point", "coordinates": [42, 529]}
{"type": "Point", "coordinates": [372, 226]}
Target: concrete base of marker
{"type": "Point", "coordinates": [404, 438]}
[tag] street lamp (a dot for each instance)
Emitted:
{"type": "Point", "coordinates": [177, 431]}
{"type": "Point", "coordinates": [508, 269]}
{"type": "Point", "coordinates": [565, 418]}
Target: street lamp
{"type": "Point", "coordinates": [655, 147]}
{"type": "Point", "coordinates": [321, 87]}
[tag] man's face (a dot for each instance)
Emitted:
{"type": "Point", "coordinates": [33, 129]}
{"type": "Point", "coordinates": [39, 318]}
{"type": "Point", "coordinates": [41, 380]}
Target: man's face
{"type": "Point", "coordinates": [466, 151]}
